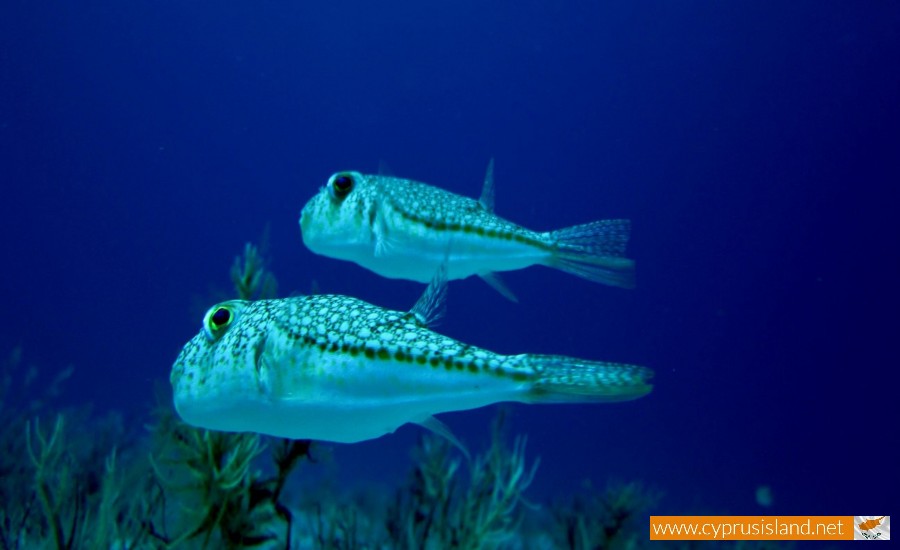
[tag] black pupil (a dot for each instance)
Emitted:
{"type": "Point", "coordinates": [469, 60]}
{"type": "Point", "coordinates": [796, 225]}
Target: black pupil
{"type": "Point", "coordinates": [221, 317]}
{"type": "Point", "coordinates": [343, 183]}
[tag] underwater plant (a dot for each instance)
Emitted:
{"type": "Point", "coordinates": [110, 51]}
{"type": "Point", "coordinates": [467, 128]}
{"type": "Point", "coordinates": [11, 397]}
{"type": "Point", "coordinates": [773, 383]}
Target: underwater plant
{"type": "Point", "coordinates": [437, 510]}
{"type": "Point", "coordinates": [221, 500]}
{"type": "Point", "coordinates": [605, 519]}
{"type": "Point", "coordinates": [85, 502]}
{"type": "Point", "coordinates": [250, 275]}
{"type": "Point", "coordinates": [62, 487]}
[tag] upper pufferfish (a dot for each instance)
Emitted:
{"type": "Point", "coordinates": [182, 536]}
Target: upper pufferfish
{"type": "Point", "coordinates": [404, 229]}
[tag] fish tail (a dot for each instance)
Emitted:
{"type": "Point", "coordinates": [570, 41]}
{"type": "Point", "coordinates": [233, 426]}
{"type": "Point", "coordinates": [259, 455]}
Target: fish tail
{"type": "Point", "coordinates": [594, 251]}
{"type": "Point", "coordinates": [561, 379]}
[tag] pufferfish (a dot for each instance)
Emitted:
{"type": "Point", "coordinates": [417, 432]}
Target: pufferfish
{"type": "Point", "coordinates": [404, 229]}
{"type": "Point", "coordinates": [335, 368]}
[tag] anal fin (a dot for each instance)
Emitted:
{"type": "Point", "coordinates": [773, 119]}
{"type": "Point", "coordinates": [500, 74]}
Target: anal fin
{"type": "Point", "coordinates": [435, 426]}
{"type": "Point", "coordinates": [497, 284]}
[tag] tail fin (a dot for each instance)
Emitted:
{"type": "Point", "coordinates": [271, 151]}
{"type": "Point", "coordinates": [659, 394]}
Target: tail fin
{"type": "Point", "coordinates": [595, 252]}
{"type": "Point", "coordinates": [569, 380]}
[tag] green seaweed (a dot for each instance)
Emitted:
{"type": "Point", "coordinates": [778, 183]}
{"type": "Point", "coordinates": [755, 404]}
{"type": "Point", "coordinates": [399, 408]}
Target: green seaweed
{"type": "Point", "coordinates": [605, 519]}
{"type": "Point", "coordinates": [250, 275]}
{"type": "Point", "coordinates": [82, 498]}
{"type": "Point", "coordinates": [222, 501]}
{"type": "Point", "coordinates": [438, 510]}
{"type": "Point", "coordinates": [61, 486]}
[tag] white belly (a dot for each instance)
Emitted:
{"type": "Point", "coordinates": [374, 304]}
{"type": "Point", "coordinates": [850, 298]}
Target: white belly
{"type": "Point", "coordinates": [417, 257]}
{"type": "Point", "coordinates": [349, 399]}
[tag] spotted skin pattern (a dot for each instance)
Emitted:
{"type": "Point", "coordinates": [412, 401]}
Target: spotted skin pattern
{"type": "Point", "coordinates": [336, 368]}
{"type": "Point", "coordinates": [439, 210]}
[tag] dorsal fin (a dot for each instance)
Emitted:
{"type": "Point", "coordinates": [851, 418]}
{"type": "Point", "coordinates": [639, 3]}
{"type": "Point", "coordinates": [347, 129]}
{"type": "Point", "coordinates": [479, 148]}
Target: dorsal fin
{"type": "Point", "coordinates": [487, 192]}
{"type": "Point", "coordinates": [384, 169]}
{"type": "Point", "coordinates": [431, 305]}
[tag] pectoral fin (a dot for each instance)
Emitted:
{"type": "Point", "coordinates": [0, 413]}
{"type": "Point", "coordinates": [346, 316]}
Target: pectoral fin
{"type": "Point", "coordinates": [497, 284]}
{"type": "Point", "coordinates": [383, 244]}
{"type": "Point", "coordinates": [432, 304]}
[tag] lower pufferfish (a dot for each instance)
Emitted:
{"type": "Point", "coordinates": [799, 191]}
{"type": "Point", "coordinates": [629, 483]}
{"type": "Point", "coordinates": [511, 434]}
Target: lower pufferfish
{"type": "Point", "coordinates": [335, 368]}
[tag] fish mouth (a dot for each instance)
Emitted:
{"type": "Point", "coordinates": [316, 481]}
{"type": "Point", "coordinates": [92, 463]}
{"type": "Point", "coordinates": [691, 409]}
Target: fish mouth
{"type": "Point", "coordinates": [308, 219]}
{"type": "Point", "coordinates": [304, 218]}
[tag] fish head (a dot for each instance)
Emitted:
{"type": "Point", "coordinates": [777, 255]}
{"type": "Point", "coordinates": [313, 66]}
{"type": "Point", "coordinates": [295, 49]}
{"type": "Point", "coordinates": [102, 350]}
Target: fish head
{"type": "Point", "coordinates": [218, 380]}
{"type": "Point", "coordinates": [339, 220]}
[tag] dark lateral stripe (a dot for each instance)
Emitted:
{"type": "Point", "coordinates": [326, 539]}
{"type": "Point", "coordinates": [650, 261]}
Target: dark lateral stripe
{"type": "Point", "coordinates": [471, 229]}
{"type": "Point", "coordinates": [404, 356]}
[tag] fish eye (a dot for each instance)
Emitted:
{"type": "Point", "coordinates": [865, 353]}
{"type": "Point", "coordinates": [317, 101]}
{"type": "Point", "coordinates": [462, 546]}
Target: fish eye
{"type": "Point", "coordinates": [217, 320]}
{"type": "Point", "coordinates": [221, 317]}
{"type": "Point", "coordinates": [341, 185]}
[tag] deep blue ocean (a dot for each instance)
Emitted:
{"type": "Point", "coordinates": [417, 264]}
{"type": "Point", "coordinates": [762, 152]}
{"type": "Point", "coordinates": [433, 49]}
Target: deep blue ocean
{"type": "Point", "coordinates": [755, 146]}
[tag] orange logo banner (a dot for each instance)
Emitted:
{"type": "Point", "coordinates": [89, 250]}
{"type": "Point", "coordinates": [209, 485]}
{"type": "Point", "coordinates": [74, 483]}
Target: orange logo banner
{"type": "Point", "coordinates": [751, 527]}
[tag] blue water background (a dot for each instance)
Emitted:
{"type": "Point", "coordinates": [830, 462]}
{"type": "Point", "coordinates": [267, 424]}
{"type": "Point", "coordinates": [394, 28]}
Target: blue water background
{"type": "Point", "coordinates": [754, 145]}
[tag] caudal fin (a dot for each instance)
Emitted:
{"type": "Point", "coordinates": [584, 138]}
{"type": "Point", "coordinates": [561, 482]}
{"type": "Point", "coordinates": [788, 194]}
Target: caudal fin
{"type": "Point", "coordinates": [594, 251]}
{"type": "Point", "coordinates": [563, 379]}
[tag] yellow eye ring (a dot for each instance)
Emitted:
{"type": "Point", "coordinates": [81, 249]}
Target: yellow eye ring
{"type": "Point", "coordinates": [217, 320]}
